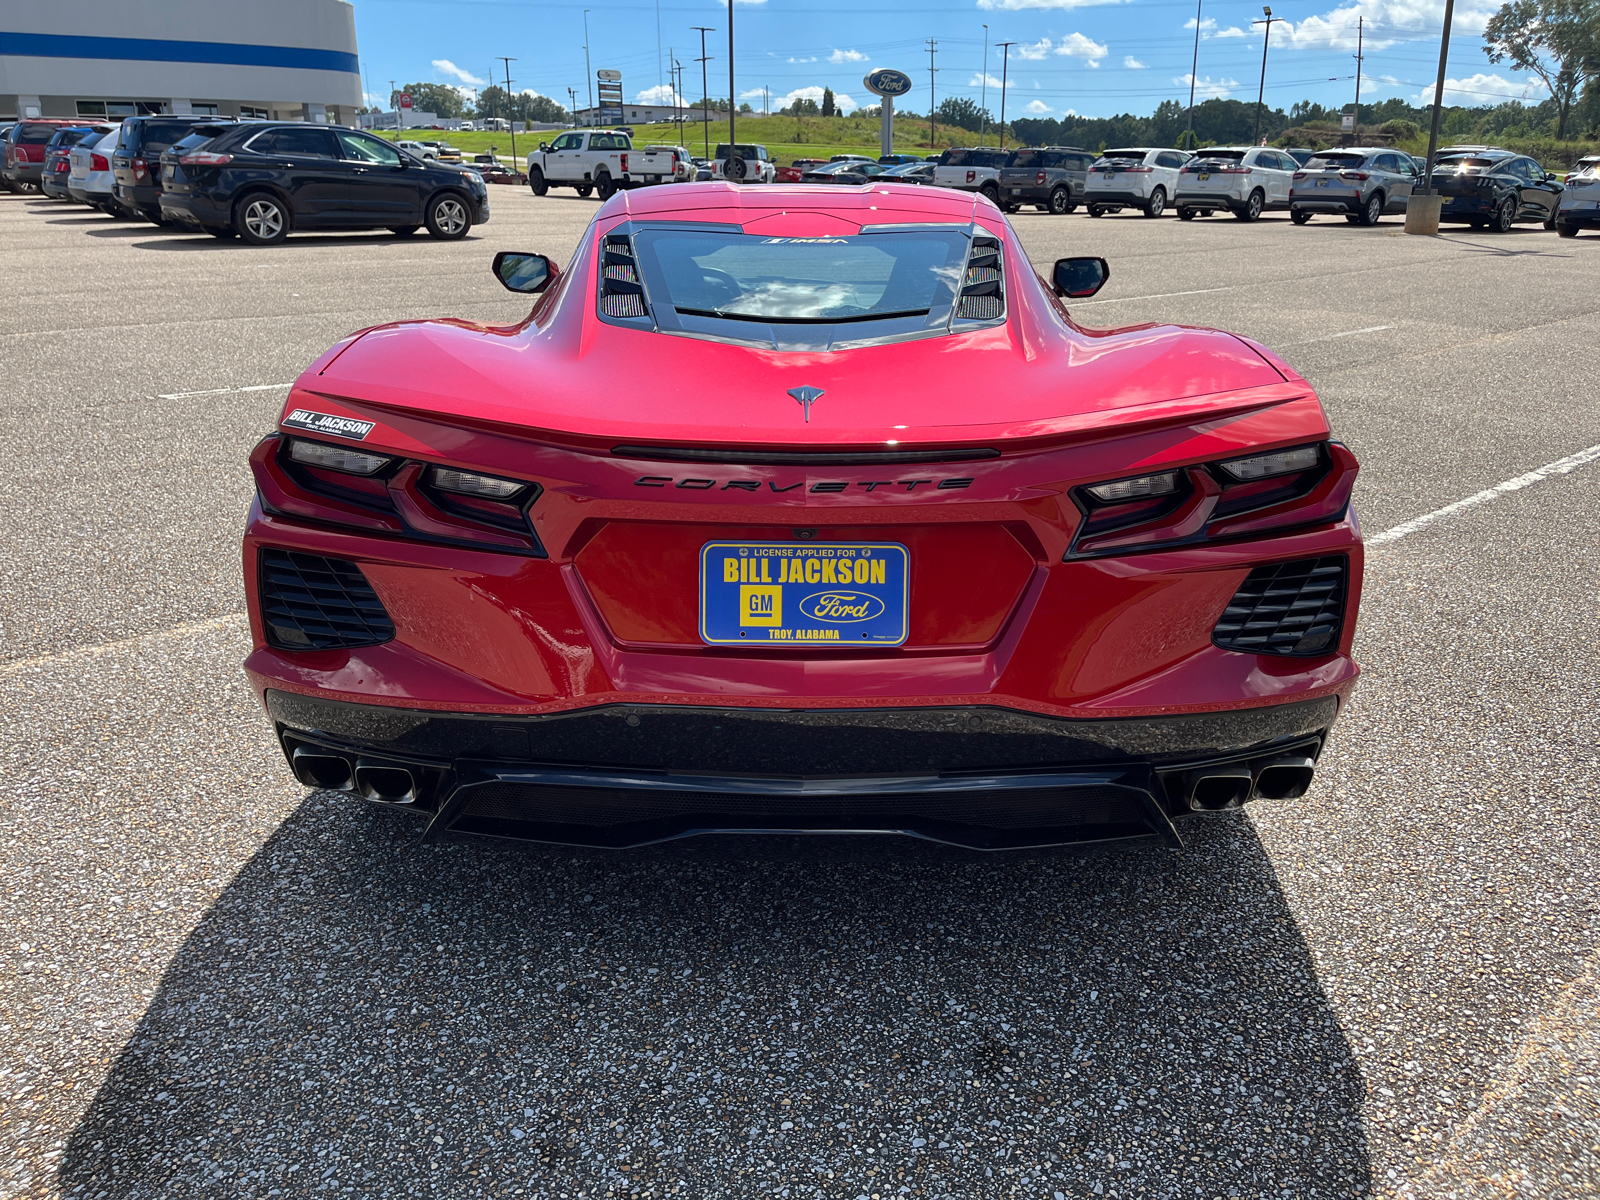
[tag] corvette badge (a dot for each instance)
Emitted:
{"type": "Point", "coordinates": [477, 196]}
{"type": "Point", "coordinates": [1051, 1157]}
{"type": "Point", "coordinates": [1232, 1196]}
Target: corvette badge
{"type": "Point", "coordinates": [805, 397]}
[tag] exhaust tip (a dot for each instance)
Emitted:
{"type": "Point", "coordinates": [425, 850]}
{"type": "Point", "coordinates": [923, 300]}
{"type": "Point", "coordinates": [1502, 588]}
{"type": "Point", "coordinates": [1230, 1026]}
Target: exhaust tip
{"type": "Point", "coordinates": [391, 785]}
{"type": "Point", "coordinates": [1219, 787]}
{"type": "Point", "coordinates": [1285, 778]}
{"type": "Point", "coordinates": [320, 770]}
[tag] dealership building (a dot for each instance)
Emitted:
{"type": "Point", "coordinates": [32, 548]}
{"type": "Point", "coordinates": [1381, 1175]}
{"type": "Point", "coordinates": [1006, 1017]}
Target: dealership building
{"type": "Point", "coordinates": [291, 60]}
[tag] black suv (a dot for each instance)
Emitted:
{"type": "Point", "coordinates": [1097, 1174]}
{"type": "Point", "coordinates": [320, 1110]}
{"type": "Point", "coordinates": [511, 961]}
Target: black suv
{"type": "Point", "coordinates": [1493, 189]}
{"type": "Point", "coordinates": [261, 179]}
{"type": "Point", "coordinates": [136, 162]}
{"type": "Point", "coordinates": [1052, 178]}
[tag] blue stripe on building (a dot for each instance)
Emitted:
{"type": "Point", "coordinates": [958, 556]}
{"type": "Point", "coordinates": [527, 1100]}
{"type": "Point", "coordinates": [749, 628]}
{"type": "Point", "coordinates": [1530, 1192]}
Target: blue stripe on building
{"type": "Point", "coordinates": [233, 54]}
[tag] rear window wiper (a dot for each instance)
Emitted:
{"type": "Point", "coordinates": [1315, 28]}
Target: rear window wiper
{"type": "Point", "coordinates": [733, 316]}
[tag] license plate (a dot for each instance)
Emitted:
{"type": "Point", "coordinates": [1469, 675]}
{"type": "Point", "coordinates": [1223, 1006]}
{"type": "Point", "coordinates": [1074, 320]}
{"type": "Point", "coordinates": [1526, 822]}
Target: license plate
{"type": "Point", "coordinates": [652, 179]}
{"type": "Point", "coordinates": [1204, 176]}
{"type": "Point", "coordinates": [1322, 183]}
{"type": "Point", "coordinates": [793, 594]}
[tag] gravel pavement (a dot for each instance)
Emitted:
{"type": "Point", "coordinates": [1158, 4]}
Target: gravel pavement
{"type": "Point", "coordinates": [219, 984]}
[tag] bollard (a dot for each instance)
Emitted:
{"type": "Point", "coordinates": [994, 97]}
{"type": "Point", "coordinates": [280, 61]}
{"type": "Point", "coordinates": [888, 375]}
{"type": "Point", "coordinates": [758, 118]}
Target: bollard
{"type": "Point", "coordinates": [1422, 214]}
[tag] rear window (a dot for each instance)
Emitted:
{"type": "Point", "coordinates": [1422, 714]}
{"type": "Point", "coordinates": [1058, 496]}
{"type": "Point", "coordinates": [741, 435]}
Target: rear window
{"type": "Point", "coordinates": [1123, 156]}
{"type": "Point", "coordinates": [34, 134]}
{"type": "Point", "coordinates": [197, 137]}
{"type": "Point", "coordinates": [975, 158]}
{"type": "Point", "coordinates": [796, 292]}
{"type": "Point", "coordinates": [744, 151]}
{"type": "Point", "coordinates": [1029, 158]}
{"type": "Point", "coordinates": [1219, 156]}
{"type": "Point", "coordinates": [158, 135]}
{"type": "Point", "coordinates": [1337, 161]}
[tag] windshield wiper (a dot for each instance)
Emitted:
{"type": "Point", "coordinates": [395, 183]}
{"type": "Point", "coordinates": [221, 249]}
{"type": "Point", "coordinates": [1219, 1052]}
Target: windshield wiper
{"type": "Point", "coordinates": [734, 316]}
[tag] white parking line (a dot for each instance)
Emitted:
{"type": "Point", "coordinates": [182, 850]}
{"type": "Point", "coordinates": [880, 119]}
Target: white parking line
{"type": "Point", "coordinates": [1560, 467]}
{"type": "Point", "coordinates": [259, 387]}
{"type": "Point", "coordinates": [187, 629]}
{"type": "Point", "coordinates": [1162, 296]}
{"type": "Point", "coordinates": [1333, 336]}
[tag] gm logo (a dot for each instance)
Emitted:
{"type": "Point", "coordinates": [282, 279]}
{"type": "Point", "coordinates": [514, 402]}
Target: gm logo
{"type": "Point", "coordinates": [760, 604]}
{"type": "Point", "coordinates": [841, 608]}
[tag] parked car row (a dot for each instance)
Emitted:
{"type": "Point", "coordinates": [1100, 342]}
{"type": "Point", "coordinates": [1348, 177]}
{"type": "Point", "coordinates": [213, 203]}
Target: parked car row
{"type": "Point", "coordinates": [255, 180]}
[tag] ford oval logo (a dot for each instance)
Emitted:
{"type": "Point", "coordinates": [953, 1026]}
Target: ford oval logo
{"type": "Point", "coordinates": [840, 607]}
{"type": "Point", "coordinates": [888, 82]}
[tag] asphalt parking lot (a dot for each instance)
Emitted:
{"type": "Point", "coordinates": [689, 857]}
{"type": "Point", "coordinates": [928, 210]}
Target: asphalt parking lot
{"type": "Point", "coordinates": [219, 984]}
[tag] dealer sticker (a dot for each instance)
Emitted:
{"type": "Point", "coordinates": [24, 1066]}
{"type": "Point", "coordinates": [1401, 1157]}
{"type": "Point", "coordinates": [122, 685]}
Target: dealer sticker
{"type": "Point", "coordinates": [315, 422]}
{"type": "Point", "coordinates": [803, 595]}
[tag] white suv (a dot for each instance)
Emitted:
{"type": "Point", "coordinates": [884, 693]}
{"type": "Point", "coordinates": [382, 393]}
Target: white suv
{"type": "Point", "coordinates": [1135, 177]}
{"type": "Point", "coordinates": [1245, 180]}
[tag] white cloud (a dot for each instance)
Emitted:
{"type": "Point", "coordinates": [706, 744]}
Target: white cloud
{"type": "Point", "coordinates": [1018, 5]}
{"type": "Point", "coordinates": [445, 67]}
{"type": "Point", "coordinates": [844, 102]}
{"type": "Point", "coordinates": [980, 80]}
{"type": "Point", "coordinates": [1037, 107]}
{"type": "Point", "coordinates": [1075, 45]}
{"type": "Point", "coordinates": [847, 56]}
{"type": "Point", "coordinates": [1337, 29]}
{"type": "Point", "coordinates": [1208, 87]}
{"type": "Point", "coordinates": [1035, 51]}
{"type": "Point", "coordinates": [662, 93]}
{"type": "Point", "coordinates": [1485, 89]}
{"type": "Point", "coordinates": [812, 59]}
{"type": "Point", "coordinates": [1132, 63]}
{"type": "Point", "coordinates": [1209, 30]}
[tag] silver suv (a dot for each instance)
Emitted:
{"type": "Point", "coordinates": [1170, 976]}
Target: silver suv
{"type": "Point", "coordinates": [1051, 178]}
{"type": "Point", "coordinates": [1361, 184]}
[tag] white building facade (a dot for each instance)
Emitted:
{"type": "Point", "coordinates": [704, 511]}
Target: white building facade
{"type": "Point", "coordinates": [287, 60]}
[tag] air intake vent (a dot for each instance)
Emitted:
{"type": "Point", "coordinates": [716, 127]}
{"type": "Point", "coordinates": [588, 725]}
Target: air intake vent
{"type": "Point", "coordinates": [983, 288]}
{"type": "Point", "coordinates": [313, 603]}
{"type": "Point", "coordinates": [621, 292]}
{"type": "Point", "coordinates": [1294, 608]}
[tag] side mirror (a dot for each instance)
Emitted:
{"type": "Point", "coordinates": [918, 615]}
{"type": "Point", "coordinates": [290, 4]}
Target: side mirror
{"type": "Point", "coordinates": [544, 147]}
{"type": "Point", "coordinates": [519, 272]}
{"type": "Point", "coordinates": [1079, 278]}
{"type": "Point", "coordinates": [1550, 177]}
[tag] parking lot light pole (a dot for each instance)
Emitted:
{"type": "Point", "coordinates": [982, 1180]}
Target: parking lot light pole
{"type": "Point", "coordinates": [983, 102]}
{"type": "Point", "coordinates": [1262, 94]}
{"type": "Point", "coordinates": [1005, 62]}
{"type": "Point", "coordinates": [511, 121]}
{"type": "Point", "coordinates": [586, 67]}
{"type": "Point", "coordinates": [1422, 210]}
{"type": "Point", "coordinates": [1194, 70]}
{"type": "Point", "coordinates": [731, 139]}
{"type": "Point", "coordinates": [705, 113]}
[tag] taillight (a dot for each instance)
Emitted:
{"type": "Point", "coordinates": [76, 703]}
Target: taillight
{"type": "Point", "coordinates": [624, 162]}
{"type": "Point", "coordinates": [1358, 176]}
{"type": "Point", "coordinates": [1299, 174]}
{"type": "Point", "coordinates": [1137, 170]}
{"type": "Point", "coordinates": [1300, 486]}
{"type": "Point", "coordinates": [1039, 178]}
{"type": "Point", "coordinates": [971, 176]}
{"type": "Point", "coordinates": [204, 158]}
{"type": "Point", "coordinates": [140, 167]}
{"type": "Point", "coordinates": [97, 162]}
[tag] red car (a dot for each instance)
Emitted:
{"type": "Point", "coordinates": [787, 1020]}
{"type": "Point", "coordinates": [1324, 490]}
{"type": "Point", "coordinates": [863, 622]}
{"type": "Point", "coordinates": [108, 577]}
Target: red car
{"type": "Point", "coordinates": [667, 556]}
{"type": "Point", "coordinates": [792, 173]}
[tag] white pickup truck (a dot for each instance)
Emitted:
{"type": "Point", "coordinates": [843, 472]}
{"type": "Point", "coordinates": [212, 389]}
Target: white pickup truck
{"type": "Point", "coordinates": [603, 161]}
{"type": "Point", "coordinates": [971, 170]}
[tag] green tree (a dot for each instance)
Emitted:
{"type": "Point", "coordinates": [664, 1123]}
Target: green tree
{"type": "Point", "coordinates": [436, 98]}
{"type": "Point", "coordinates": [829, 108]}
{"type": "Point", "coordinates": [964, 113]}
{"type": "Point", "coordinates": [1558, 40]}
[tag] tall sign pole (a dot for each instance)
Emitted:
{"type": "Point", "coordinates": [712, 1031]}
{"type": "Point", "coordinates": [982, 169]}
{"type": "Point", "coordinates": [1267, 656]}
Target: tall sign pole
{"type": "Point", "coordinates": [705, 109]}
{"type": "Point", "coordinates": [1194, 70]}
{"type": "Point", "coordinates": [1004, 64]}
{"type": "Point", "coordinates": [731, 139]}
{"type": "Point", "coordinates": [587, 69]}
{"type": "Point", "coordinates": [887, 84]}
{"type": "Point", "coordinates": [1262, 93]}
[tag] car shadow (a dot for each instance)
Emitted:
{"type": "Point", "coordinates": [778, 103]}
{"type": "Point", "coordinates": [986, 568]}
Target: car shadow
{"type": "Point", "coordinates": [183, 239]}
{"type": "Point", "coordinates": [358, 1011]}
{"type": "Point", "coordinates": [96, 219]}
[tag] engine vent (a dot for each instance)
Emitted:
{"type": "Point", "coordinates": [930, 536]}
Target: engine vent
{"type": "Point", "coordinates": [313, 603]}
{"type": "Point", "coordinates": [1293, 608]}
{"type": "Point", "coordinates": [621, 292]}
{"type": "Point", "coordinates": [983, 288]}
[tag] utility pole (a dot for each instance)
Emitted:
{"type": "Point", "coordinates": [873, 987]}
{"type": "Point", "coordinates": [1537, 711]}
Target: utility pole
{"type": "Point", "coordinates": [705, 111]}
{"type": "Point", "coordinates": [1265, 41]}
{"type": "Point", "coordinates": [933, 46]}
{"type": "Point", "coordinates": [1005, 62]}
{"type": "Point", "coordinates": [572, 98]}
{"type": "Point", "coordinates": [1355, 125]}
{"type": "Point", "coordinates": [1438, 97]}
{"type": "Point", "coordinates": [983, 104]}
{"type": "Point", "coordinates": [1194, 70]}
{"type": "Point", "coordinates": [731, 150]}
{"type": "Point", "coordinates": [587, 69]}
{"type": "Point", "coordinates": [512, 119]}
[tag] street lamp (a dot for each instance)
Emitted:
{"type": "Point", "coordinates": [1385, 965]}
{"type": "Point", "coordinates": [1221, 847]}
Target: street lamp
{"type": "Point", "coordinates": [983, 104]}
{"type": "Point", "coordinates": [587, 69]}
{"type": "Point", "coordinates": [1194, 71]}
{"type": "Point", "coordinates": [1265, 41]}
{"type": "Point", "coordinates": [1005, 63]}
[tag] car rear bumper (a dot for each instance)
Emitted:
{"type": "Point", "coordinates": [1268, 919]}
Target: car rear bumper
{"type": "Point", "coordinates": [1207, 200]}
{"type": "Point", "coordinates": [1094, 195]}
{"type": "Point", "coordinates": [146, 198]}
{"type": "Point", "coordinates": [622, 775]}
{"type": "Point", "coordinates": [194, 209]}
{"type": "Point", "coordinates": [1339, 202]}
{"type": "Point", "coordinates": [1586, 217]}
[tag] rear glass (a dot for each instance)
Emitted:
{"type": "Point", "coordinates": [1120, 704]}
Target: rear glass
{"type": "Point", "coordinates": [780, 290]}
{"type": "Point", "coordinates": [33, 134]}
{"type": "Point", "coordinates": [975, 158]}
{"type": "Point", "coordinates": [158, 135]}
{"type": "Point", "coordinates": [1029, 158]}
{"type": "Point", "coordinates": [1124, 155]}
{"type": "Point", "coordinates": [1220, 156]}
{"type": "Point", "coordinates": [197, 137]}
{"type": "Point", "coordinates": [1337, 161]}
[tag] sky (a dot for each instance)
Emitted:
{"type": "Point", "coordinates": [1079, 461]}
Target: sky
{"type": "Point", "coordinates": [1091, 57]}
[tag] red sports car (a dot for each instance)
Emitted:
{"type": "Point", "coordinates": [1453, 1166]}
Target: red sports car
{"type": "Point", "coordinates": [667, 557]}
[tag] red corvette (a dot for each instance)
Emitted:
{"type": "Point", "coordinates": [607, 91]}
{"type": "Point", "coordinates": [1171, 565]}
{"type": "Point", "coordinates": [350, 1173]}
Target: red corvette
{"type": "Point", "coordinates": [670, 557]}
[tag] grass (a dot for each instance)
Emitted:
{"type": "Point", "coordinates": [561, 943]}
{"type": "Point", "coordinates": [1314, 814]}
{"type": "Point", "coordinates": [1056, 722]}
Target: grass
{"type": "Point", "coordinates": [786, 138]}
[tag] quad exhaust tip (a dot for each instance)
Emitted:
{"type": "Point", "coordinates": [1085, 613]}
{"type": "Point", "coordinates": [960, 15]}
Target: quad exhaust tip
{"type": "Point", "coordinates": [1285, 778]}
{"type": "Point", "coordinates": [328, 771]}
{"type": "Point", "coordinates": [1219, 787]}
{"type": "Point", "coordinates": [389, 784]}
